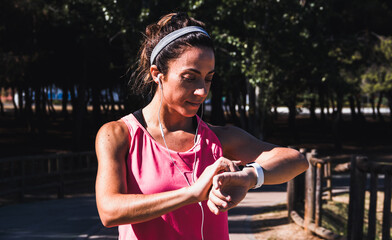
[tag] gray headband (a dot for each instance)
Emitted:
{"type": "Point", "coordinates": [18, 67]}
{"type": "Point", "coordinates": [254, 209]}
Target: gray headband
{"type": "Point", "coordinates": [173, 36]}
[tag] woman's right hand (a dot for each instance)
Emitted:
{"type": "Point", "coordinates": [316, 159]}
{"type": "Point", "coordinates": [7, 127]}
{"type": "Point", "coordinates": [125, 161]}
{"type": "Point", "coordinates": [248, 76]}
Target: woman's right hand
{"type": "Point", "coordinates": [200, 189]}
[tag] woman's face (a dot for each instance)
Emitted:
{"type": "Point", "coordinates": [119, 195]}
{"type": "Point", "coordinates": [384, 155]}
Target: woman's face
{"type": "Point", "coordinates": [188, 80]}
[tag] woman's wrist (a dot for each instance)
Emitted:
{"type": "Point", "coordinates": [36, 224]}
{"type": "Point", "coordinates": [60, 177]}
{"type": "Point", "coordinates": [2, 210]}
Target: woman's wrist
{"type": "Point", "coordinates": [191, 197]}
{"type": "Point", "coordinates": [252, 176]}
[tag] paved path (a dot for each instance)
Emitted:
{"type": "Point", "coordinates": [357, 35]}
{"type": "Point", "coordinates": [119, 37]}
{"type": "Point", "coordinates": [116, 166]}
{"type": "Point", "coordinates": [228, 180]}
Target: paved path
{"type": "Point", "coordinates": [77, 218]}
{"type": "Point", "coordinates": [240, 217]}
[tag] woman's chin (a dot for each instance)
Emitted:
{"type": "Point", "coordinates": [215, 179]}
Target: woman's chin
{"type": "Point", "coordinates": [190, 112]}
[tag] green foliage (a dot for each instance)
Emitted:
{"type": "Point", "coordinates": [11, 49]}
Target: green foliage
{"type": "Point", "coordinates": [289, 50]}
{"type": "Point", "coordinates": [378, 76]}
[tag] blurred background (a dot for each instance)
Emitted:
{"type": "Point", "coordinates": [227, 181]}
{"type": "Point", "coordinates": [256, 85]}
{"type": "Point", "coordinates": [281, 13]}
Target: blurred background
{"type": "Point", "coordinates": [313, 74]}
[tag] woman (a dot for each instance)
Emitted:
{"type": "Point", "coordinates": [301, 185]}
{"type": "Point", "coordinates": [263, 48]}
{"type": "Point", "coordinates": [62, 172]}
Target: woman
{"type": "Point", "coordinates": [165, 174]}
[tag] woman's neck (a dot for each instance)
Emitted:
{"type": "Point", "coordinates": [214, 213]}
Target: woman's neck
{"type": "Point", "coordinates": [170, 119]}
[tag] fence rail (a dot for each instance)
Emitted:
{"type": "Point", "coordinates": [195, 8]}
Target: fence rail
{"type": "Point", "coordinates": [361, 167]}
{"type": "Point", "coordinates": [22, 174]}
{"type": "Point", "coordinates": [305, 193]}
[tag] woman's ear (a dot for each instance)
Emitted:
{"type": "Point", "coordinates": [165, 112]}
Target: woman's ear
{"type": "Point", "coordinates": [156, 74]}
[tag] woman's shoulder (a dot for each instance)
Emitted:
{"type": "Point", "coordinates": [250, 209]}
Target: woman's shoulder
{"type": "Point", "coordinates": [227, 134]}
{"type": "Point", "coordinates": [113, 135]}
{"type": "Point", "coordinates": [116, 128]}
{"type": "Point", "coordinates": [224, 131]}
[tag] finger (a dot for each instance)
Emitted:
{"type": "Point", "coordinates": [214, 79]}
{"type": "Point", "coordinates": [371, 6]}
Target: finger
{"type": "Point", "coordinates": [222, 165]}
{"type": "Point", "coordinates": [213, 208]}
{"type": "Point", "coordinates": [233, 167]}
{"type": "Point", "coordinates": [219, 201]}
{"type": "Point", "coordinates": [237, 163]}
{"type": "Point", "coordinates": [232, 164]}
{"type": "Point", "coordinates": [219, 180]}
{"type": "Point", "coordinates": [221, 194]}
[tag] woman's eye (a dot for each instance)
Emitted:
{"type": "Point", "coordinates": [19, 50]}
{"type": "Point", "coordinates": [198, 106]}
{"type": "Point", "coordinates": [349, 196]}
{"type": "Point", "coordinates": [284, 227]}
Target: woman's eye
{"type": "Point", "coordinates": [189, 79]}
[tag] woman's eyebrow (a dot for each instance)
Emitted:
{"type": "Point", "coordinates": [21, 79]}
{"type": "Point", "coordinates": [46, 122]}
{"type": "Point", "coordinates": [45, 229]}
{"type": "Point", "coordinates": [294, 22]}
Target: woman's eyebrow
{"type": "Point", "coordinates": [198, 72]}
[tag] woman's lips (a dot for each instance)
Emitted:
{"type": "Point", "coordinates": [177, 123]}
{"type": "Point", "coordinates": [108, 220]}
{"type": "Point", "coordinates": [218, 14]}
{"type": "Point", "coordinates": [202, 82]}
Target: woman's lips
{"type": "Point", "coordinates": [194, 104]}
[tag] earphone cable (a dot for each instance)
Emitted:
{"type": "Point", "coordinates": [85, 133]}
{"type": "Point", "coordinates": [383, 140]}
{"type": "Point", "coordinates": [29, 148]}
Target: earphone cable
{"type": "Point", "coordinates": [194, 164]}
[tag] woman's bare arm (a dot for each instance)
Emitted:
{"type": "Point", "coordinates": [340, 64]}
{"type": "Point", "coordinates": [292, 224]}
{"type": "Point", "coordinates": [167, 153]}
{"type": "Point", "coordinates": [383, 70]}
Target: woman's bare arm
{"type": "Point", "coordinates": [280, 164]}
{"type": "Point", "coordinates": [115, 206]}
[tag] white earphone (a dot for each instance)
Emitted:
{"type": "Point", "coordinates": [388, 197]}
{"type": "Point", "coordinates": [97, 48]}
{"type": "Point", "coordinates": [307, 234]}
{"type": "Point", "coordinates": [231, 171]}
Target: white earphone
{"type": "Point", "coordinates": [159, 81]}
{"type": "Point", "coordinates": [174, 163]}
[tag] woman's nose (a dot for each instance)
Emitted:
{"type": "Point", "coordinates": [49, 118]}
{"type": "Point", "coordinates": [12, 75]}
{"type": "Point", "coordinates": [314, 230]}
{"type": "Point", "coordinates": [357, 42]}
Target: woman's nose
{"type": "Point", "coordinates": [201, 91]}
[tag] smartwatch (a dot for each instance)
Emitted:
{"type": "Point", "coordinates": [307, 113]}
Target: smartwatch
{"type": "Point", "coordinates": [259, 173]}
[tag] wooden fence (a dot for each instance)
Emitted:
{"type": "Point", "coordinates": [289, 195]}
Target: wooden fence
{"type": "Point", "coordinates": [360, 169]}
{"type": "Point", "coordinates": [304, 195]}
{"type": "Point", "coordinates": [19, 175]}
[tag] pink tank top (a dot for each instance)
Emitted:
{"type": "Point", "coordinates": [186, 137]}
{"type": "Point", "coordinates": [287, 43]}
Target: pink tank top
{"type": "Point", "coordinates": [150, 170]}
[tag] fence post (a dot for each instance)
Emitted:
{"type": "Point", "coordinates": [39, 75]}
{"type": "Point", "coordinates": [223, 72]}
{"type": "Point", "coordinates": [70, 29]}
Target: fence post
{"type": "Point", "coordinates": [60, 170]}
{"type": "Point", "coordinates": [386, 213]}
{"type": "Point", "coordinates": [371, 234]}
{"type": "Point", "coordinates": [300, 187]}
{"type": "Point", "coordinates": [295, 191]}
{"type": "Point", "coordinates": [328, 178]}
{"type": "Point", "coordinates": [356, 202]}
{"type": "Point", "coordinates": [22, 181]}
{"type": "Point", "coordinates": [309, 194]}
{"type": "Point", "coordinates": [319, 194]}
{"type": "Point", "coordinates": [290, 197]}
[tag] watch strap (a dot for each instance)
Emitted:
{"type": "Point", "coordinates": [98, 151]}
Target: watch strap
{"type": "Point", "coordinates": [259, 173]}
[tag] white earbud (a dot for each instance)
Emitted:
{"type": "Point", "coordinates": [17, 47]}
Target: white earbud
{"type": "Point", "coordinates": [159, 81]}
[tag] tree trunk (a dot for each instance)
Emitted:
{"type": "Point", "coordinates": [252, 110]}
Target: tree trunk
{"type": "Point", "coordinates": [242, 109]}
{"type": "Point", "coordinates": [28, 109]}
{"type": "Point", "coordinates": [352, 108]}
{"type": "Point", "coordinates": [40, 112]}
{"type": "Point", "coordinates": [16, 110]}
{"type": "Point", "coordinates": [64, 102]}
{"type": "Point", "coordinates": [359, 106]}
{"type": "Point", "coordinates": [105, 103]}
{"type": "Point", "coordinates": [1, 106]}
{"type": "Point", "coordinates": [233, 112]}
{"type": "Point", "coordinates": [37, 100]}
{"type": "Point", "coordinates": [379, 114]}
{"type": "Point", "coordinates": [79, 109]}
{"type": "Point", "coordinates": [112, 103]}
{"type": "Point", "coordinates": [217, 114]}
{"type": "Point", "coordinates": [389, 97]}
{"type": "Point", "coordinates": [371, 99]}
{"type": "Point", "coordinates": [276, 107]}
{"type": "Point", "coordinates": [243, 118]}
{"type": "Point", "coordinates": [292, 105]}
{"type": "Point", "coordinates": [337, 118]}
{"type": "Point", "coordinates": [96, 106]}
{"type": "Point", "coordinates": [334, 108]}
{"type": "Point", "coordinates": [253, 116]}
{"type": "Point", "coordinates": [119, 103]}
{"type": "Point", "coordinates": [339, 105]}
{"type": "Point", "coordinates": [312, 109]}
{"type": "Point", "coordinates": [262, 111]}
{"type": "Point", "coordinates": [322, 103]}
{"type": "Point", "coordinates": [51, 109]}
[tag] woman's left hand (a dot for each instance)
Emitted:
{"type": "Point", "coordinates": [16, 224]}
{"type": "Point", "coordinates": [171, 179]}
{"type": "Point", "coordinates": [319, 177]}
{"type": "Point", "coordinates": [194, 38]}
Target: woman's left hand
{"type": "Point", "coordinates": [229, 188]}
{"type": "Point", "coordinates": [200, 189]}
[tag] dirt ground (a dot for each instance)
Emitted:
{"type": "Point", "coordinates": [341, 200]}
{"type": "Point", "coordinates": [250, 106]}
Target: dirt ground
{"type": "Point", "coordinates": [275, 225]}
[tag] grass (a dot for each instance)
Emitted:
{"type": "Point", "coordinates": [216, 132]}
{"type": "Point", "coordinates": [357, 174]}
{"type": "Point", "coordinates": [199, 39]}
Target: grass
{"type": "Point", "coordinates": [269, 223]}
{"type": "Point", "coordinates": [335, 214]}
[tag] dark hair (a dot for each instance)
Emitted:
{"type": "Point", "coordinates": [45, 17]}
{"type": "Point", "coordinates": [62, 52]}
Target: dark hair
{"type": "Point", "coordinates": [142, 80]}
